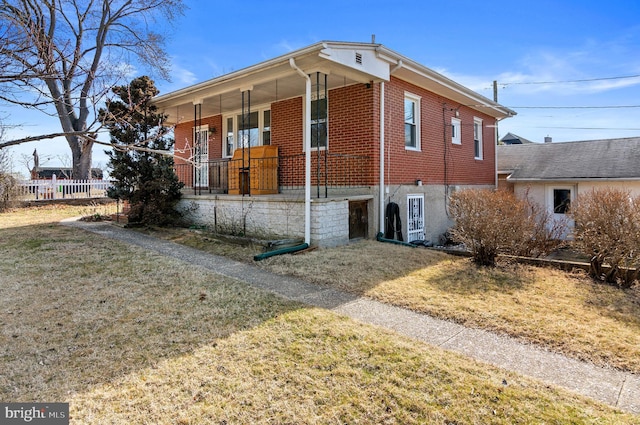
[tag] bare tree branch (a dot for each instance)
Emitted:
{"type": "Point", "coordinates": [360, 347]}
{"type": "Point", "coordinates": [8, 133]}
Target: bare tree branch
{"type": "Point", "coordinates": [63, 55]}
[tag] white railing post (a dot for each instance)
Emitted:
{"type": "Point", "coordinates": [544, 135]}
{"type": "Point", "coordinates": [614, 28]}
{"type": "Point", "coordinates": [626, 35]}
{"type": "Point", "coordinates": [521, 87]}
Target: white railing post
{"type": "Point", "coordinates": [54, 180]}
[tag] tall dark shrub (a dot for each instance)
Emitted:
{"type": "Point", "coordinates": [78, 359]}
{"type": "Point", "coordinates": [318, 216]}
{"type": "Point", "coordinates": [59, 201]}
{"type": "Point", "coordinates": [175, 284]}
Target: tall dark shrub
{"type": "Point", "coordinates": [141, 162]}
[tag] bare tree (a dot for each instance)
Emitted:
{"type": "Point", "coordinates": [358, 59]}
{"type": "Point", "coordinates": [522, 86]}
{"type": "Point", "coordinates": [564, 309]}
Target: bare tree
{"type": "Point", "coordinates": [62, 57]}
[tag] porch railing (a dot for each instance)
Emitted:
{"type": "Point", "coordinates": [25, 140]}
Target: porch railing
{"type": "Point", "coordinates": [40, 190]}
{"type": "Point", "coordinates": [273, 175]}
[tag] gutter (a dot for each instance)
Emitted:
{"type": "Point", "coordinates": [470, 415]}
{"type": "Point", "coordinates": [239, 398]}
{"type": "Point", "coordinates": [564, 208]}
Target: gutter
{"type": "Point", "coordinates": [307, 151]}
{"type": "Point", "coordinates": [573, 179]}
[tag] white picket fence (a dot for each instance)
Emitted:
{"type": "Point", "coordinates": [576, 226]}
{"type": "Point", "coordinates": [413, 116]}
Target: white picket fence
{"type": "Point", "coordinates": [40, 190]}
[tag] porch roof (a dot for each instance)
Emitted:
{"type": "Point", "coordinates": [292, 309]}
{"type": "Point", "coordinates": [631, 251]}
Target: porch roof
{"type": "Point", "coordinates": [344, 63]}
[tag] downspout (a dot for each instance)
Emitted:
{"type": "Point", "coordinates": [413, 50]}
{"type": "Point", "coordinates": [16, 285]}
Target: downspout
{"type": "Point", "coordinates": [382, 148]}
{"type": "Point", "coordinates": [382, 187]}
{"type": "Point", "coordinates": [307, 152]}
{"type": "Point", "coordinates": [495, 149]}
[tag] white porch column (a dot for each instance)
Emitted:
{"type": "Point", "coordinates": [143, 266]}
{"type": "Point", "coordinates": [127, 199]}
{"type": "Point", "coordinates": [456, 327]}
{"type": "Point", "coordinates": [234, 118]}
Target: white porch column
{"type": "Point", "coordinates": [307, 151]}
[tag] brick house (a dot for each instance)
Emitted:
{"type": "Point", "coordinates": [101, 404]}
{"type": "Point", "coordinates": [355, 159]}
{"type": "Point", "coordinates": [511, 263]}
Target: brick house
{"type": "Point", "coordinates": [316, 143]}
{"type": "Point", "coordinates": [553, 175]}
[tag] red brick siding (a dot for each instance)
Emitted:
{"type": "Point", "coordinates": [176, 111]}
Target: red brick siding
{"type": "Point", "coordinates": [354, 129]}
{"type": "Point", "coordinates": [428, 164]}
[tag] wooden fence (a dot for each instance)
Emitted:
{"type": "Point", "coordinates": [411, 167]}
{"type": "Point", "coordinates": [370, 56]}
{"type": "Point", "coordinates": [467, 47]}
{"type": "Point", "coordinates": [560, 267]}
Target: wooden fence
{"type": "Point", "coordinates": [41, 190]}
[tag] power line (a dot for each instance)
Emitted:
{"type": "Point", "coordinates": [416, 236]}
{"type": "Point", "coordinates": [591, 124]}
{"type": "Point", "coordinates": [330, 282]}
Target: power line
{"type": "Point", "coordinates": [586, 80]}
{"type": "Point", "coordinates": [576, 107]}
{"type": "Point", "coordinates": [584, 128]}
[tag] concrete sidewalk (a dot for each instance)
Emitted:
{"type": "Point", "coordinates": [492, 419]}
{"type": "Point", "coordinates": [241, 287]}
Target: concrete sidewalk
{"type": "Point", "coordinates": [618, 389]}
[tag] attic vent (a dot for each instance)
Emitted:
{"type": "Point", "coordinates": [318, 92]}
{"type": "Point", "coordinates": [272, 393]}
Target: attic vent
{"type": "Point", "coordinates": [359, 58]}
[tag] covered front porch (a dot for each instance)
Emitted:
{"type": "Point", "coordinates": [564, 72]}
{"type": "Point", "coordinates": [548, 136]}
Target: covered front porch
{"type": "Point", "coordinates": [304, 123]}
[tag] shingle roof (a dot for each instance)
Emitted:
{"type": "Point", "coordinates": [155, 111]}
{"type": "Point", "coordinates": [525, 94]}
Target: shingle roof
{"type": "Point", "coordinates": [64, 173]}
{"type": "Point", "coordinates": [590, 159]}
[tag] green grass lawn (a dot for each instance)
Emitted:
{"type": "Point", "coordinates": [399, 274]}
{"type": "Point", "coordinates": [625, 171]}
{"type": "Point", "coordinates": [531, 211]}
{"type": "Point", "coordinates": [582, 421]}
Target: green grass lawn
{"type": "Point", "coordinates": [127, 336]}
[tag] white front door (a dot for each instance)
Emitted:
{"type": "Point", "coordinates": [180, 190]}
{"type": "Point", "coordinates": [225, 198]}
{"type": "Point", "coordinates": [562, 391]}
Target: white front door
{"type": "Point", "coordinates": [415, 218]}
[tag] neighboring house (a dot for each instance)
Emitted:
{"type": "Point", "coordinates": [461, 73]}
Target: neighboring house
{"type": "Point", "coordinates": [513, 139]}
{"type": "Point", "coordinates": [46, 173]}
{"type": "Point", "coordinates": [316, 143]}
{"type": "Point", "coordinates": [554, 174]}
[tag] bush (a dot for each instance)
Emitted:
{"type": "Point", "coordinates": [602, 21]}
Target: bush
{"type": "Point", "coordinates": [141, 162]}
{"type": "Point", "coordinates": [8, 189]}
{"type": "Point", "coordinates": [496, 222]}
{"type": "Point", "coordinates": [607, 228]}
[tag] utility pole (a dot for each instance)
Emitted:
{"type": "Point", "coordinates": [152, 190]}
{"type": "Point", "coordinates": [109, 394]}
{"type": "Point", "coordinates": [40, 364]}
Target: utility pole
{"type": "Point", "coordinates": [495, 91]}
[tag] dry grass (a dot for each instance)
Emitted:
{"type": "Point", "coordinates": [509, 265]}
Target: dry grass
{"type": "Point", "coordinates": [52, 213]}
{"type": "Point", "coordinates": [566, 312]}
{"type": "Point", "coordinates": [126, 336]}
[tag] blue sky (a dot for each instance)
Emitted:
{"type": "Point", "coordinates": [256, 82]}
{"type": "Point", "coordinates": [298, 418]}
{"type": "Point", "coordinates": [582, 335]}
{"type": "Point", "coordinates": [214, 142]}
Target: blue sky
{"type": "Point", "coordinates": [540, 53]}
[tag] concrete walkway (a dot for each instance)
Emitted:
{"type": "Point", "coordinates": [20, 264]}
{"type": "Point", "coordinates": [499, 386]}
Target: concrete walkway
{"type": "Point", "coordinates": [618, 389]}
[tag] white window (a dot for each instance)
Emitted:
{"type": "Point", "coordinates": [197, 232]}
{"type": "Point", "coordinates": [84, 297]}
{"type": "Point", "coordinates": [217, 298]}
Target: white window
{"type": "Point", "coordinates": [201, 156]}
{"type": "Point", "coordinates": [411, 122]}
{"type": "Point", "coordinates": [319, 114]}
{"type": "Point", "coordinates": [415, 218]}
{"type": "Point", "coordinates": [477, 138]}
{"type": "Point", "coordinates": [253, 129]}
{"type": "Point", "coordinates": [455, 131]}
{"type": "Point", "coordinates": [229, 144]}
{"type": "Point", "coordinates": [266, 127]}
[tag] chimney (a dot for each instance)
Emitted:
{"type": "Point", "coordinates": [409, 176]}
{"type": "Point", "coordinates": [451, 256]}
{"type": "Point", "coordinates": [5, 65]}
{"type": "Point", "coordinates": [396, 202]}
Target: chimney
{"type": "Point", "coordinates": [548, 139]}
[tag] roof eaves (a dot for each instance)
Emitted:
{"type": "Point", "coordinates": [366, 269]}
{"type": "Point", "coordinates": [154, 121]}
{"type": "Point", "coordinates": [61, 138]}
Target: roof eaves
{"type": "Point", "coordinates": [477, 100]}
{"type": "Point", "coordinates": [244, 72]}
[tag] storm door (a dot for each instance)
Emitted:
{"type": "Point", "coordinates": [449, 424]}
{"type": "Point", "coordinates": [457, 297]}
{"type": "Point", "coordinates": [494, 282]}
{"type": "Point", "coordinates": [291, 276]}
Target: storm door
{"type": "Point", "coordinates": [559, 200]}
{"type": "Point", "coordinates": [201, 157]}
{"type": "Point", "coordinates": [415, 218]}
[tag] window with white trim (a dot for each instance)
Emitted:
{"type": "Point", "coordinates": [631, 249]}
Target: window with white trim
{"type": "Point", "coordinates": [256, 130]}
{"type": "Point", "coordinates": [319, 114]}
{"type": "Point", "coordinates": [456, 126]}
{"type": "Point", "coordinates": [229, 140]}
{"type": "Point", "coordinates": [411, 122]}
{"type": "Point", "coordinates": [266, 127]}
{"type": "Point", "coordinates": [477, 138]}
